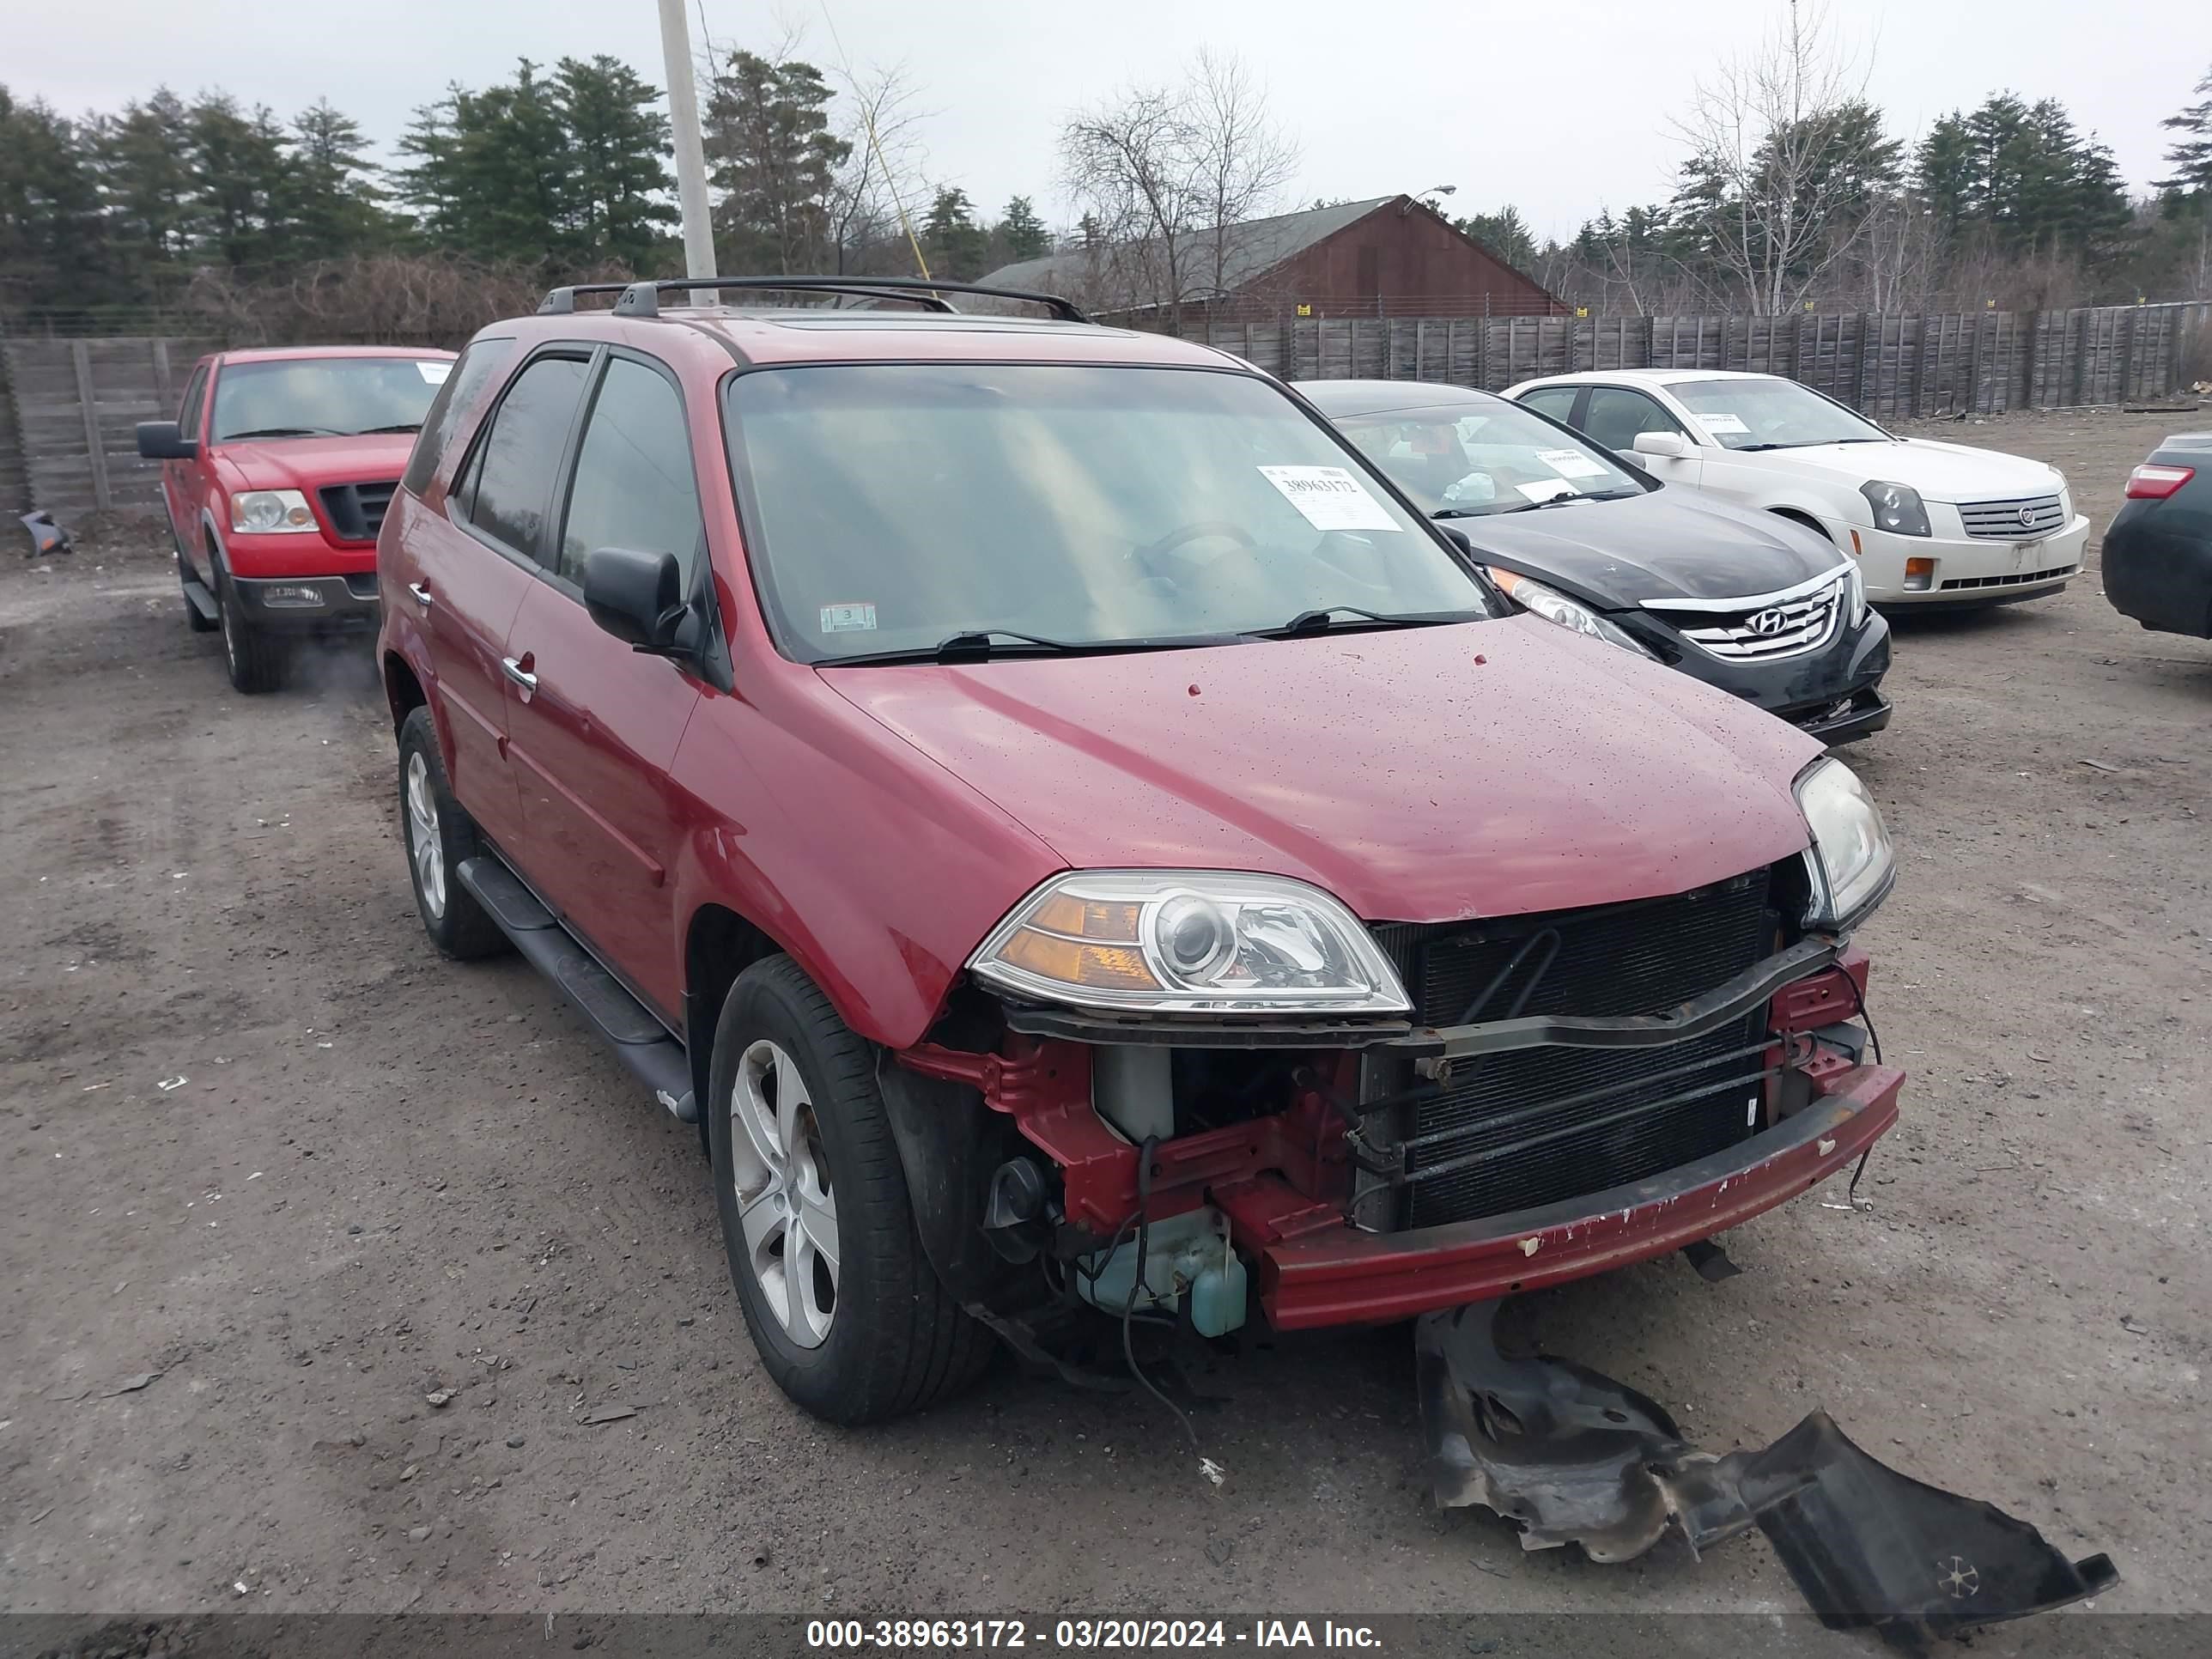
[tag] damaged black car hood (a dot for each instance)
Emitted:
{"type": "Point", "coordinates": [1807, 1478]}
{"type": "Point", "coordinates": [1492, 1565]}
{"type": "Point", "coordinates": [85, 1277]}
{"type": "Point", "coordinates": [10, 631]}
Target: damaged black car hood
{"type": "Point", "coordinates": [1668, 545]}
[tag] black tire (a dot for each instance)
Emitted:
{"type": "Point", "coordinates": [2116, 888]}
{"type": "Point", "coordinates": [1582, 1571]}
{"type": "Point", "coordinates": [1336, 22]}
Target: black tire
{"type": "Point", "coordinates": [459, 926]}
{"type": "Point", "coordinates": [255, 658]}
{"type": "Point", "coordinates": [895, 1342]}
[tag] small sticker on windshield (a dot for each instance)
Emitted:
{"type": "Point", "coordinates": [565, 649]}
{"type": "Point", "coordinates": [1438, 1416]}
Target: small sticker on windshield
{"type": "Point", "coordinates": [1723, 423]}
{"type": "Point", "coordinates": [1329, 497]}
{"type": "Point", "coordinates": [848, 618]}
{"type": "Point", "coordinates": [1570, 463]}
{"type": "Point", "coordinates": [434, 373]}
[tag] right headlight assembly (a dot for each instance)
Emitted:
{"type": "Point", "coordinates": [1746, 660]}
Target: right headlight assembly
{"type": "Point", "coordinates": [1190, 941]}
{"type": "Point", "coordinates": [1851, 862]}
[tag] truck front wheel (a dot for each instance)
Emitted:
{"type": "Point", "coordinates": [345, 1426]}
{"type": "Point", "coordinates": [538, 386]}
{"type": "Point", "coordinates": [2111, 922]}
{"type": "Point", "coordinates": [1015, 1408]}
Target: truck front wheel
{"type": "Point", "coordinates": [847, 1314]}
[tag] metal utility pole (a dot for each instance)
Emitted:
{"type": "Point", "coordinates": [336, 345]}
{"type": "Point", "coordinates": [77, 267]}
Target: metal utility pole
{"type": "Point", "coordinates": [690, 153]}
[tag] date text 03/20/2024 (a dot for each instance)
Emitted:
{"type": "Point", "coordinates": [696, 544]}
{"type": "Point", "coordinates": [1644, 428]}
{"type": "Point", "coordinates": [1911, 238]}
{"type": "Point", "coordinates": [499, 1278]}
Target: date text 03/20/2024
{"type": "Point", "coordinates": [854, 1634]}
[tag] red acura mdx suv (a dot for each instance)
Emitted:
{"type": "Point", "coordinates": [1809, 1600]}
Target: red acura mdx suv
{"type": "Point", "coordinates": [275, 477]}
{"type": "Point", "coordinates": [1072, 833]}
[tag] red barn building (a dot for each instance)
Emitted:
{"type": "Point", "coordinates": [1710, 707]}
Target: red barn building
{"type": "Point", "coordinates": [1389, 256]}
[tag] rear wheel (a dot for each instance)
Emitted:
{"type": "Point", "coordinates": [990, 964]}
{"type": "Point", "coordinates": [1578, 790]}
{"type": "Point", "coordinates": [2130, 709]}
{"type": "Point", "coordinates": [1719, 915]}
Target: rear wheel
{"type": "Point", "coordinates": [255, 658]}
{"type": "Point", "coordinates": [847, 1313]}
{"type": "Point", "coordinates": [438, 835]}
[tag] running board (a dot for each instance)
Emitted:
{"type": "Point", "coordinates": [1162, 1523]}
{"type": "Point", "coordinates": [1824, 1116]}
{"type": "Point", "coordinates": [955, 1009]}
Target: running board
{"type": "Point", "coordinates": [197, 597]}
{"type": "Point", "coordinates": [639, 1041]}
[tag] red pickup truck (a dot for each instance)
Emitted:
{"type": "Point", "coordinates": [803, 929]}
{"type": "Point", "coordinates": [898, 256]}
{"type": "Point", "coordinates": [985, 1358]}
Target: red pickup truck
{"type": "Point", "coordinates": [275, 475]}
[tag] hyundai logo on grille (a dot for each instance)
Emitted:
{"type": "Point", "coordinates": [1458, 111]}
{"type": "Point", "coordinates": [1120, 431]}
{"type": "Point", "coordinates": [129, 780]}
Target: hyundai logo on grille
{"type": "Point", "coordinates": [1767, 622]}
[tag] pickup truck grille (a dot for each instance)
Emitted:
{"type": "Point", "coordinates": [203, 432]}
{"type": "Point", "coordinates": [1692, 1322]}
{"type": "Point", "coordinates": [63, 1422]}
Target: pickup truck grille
{"type": "Point", "coordinates": [2026, 519]}
{"type": "Point", "coordinates": [1533, 1127]}
{"type": "Point", "coordinates": [357, 510]}
{"type": "Point", "coordinates": [1761, 632]}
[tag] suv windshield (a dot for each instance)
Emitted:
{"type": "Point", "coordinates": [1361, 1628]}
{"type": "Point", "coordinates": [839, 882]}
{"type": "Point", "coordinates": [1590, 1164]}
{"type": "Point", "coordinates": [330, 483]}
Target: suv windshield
{"type": "Point", "coordinates": [324, 396]}
{"type": "Point", "coordinates": [1459, 461]}
{"type": "Point", "coordinates": [892, 507]}
{"type": "Point", "coordinates": [1771, 414]}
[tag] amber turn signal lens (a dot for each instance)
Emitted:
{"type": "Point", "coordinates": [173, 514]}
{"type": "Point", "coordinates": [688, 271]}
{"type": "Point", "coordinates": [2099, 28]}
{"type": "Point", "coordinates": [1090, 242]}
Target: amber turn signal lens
{"type": "Point", "coordinates": [1108, 921]}
{"type": "Point", "coordinates": [1075, 962]}
{"type": "Point", "coordinates": [1919, 573]}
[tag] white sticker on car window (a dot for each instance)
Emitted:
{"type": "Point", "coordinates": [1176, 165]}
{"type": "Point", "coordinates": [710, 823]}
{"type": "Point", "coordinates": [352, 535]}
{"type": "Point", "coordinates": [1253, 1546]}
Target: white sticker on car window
{"type": "Point", "coordinates": [1329, 497]}
{"type": "Point", "coordinates": [848, 618]}
{"type": "Point", "coordinates": [1723, 423]}
{"type": "Point", "coordinates": [1572, 463]}
{"type": "Point", "coordinates": [434, 373]}
{"type": "Point", "coordinates": [1547, 490]}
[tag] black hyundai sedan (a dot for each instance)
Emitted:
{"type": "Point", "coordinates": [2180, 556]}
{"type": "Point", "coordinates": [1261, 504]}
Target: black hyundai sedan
{"type": "Point", "coordinates": [2158, 549]}
{"type": "Point", "coordinates": [1759, 605]}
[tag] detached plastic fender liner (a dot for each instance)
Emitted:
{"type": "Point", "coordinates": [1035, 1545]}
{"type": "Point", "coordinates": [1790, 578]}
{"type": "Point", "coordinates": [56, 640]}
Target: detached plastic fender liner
{"type": "Point", "coordinates": [1571, 1456]}
{"type": "Point", "coordinates": [949, 1142]}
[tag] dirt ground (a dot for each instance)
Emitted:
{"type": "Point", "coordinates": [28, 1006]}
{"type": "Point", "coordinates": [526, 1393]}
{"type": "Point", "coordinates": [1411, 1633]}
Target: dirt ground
{"type": "Point", "coordinates": [275, 1178]}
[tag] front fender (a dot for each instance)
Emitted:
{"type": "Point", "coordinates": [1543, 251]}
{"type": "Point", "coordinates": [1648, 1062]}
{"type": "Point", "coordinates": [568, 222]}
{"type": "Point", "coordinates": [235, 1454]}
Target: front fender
{"type": "Point", "coordinates": [877, 871]}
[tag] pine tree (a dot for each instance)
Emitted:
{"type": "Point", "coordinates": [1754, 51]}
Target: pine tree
{"type": "Point", "coordinates": [775, 159]}
{"type": "Point", "coordinates": [2191, 155]}
{"type": "Point", "coordinates": [1505, 233]}
{"type": "Point", "coordinates": [52, 242]}
{"type": "Point", "coordinates": [1021, 233]}
{"type": "Point", "coordinates": [145, 186]}
{"type": "Point", "coordinates": [238, 168]}
{"type": "Point", "coordinates": [617, 208]}
{"type": "Point", "coordinates": [332, 207]}
{"type": "Point", "coordinates": [957, 245]}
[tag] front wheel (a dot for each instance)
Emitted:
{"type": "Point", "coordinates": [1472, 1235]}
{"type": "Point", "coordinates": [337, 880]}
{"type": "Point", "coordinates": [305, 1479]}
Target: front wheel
{"type": "Point", "coordinates": [255, 658]}
{"type": "Point", "coordinates": [843, 1306]}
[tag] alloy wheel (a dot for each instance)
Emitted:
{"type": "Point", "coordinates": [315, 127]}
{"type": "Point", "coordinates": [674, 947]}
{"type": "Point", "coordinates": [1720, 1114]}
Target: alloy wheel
{"type": "Point", "coordinates": [786, 1208]}
{"type": "Point", "coordinates": [423, 845]}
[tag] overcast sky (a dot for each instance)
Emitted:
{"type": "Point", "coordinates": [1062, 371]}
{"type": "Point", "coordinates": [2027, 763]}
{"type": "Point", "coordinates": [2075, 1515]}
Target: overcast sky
{"type": "Point", "coordinates": [1559, 109]}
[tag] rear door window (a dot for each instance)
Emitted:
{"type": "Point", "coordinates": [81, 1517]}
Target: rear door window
{"type": "Point", "coordinates": [1556, 401]}
{"type": "Point", "coordinates": [509, 489]}
{"type": "Point", "coordinates": [1616, 415]}
{"type": "Point", "coordinates": [634, 484]}
{"type": "Point", "coordinates": [479, 361]}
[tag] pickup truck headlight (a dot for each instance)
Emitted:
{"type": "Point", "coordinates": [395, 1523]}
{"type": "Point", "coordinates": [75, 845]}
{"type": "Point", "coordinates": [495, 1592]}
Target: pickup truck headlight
{"type": "Point", "coordinates": [1851, 860]}
{"type": "Point", "coordinates": [1898, 508]}
{"type": "Point", "coordinates": [1554, 606]}
{"type": "Point", "coordinates": [270, 511]}
{"type": "Point", "coordinates": [1190, 941]}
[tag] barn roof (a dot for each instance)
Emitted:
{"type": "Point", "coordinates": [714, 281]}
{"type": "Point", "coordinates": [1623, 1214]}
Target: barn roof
{"type": "Point", "coordinates": [1255, 247]}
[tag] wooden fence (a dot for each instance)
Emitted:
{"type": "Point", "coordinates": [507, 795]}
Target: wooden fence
{"type": "Point", "coordinates": [1891, 367]}
{"type": "Point", "coordinates": [68, 443]}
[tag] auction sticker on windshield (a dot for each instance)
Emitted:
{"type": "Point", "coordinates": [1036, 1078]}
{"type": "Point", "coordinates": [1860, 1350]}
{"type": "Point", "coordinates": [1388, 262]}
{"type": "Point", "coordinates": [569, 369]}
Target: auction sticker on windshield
{"type": "Point", "coordinates": [848, 618]}
{"type": "Point", "coordinates": [1329, 497]}
{"type": "Point", "coordinates": [1723, 423]}
{"type": "Point", "coordinates": [1570, 463]}
{"type": "Point", "coordinates": [433, 372]}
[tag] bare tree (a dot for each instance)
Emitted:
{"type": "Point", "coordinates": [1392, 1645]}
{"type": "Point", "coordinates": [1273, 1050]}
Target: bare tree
{"type": "Point", "coordinates": [881, 183]}
{"type": "Point", "coordinates": [1244, 159]}
{"type": "Point", "coordinates": [1163, 175]}
{"type": "Point", "coordinates": [1785, 148]}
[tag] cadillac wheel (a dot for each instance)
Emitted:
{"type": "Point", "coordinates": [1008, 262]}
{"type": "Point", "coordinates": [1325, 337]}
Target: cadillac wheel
{"type": "Point", "coordinates": [848, 1315]}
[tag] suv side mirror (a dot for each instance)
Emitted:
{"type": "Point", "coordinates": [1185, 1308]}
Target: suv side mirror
{"type": "Point", "coordinates": [636, 597]}
{"type": "Point", "coordinates": [1672, 444]}
{"type": "Point", "coordinates": [160, 440]}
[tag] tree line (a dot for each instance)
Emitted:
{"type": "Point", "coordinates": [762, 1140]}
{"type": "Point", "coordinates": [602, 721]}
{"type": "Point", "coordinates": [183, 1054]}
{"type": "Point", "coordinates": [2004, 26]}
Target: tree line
{"type": "Point", "coordinates": [562, 175]}
{"type": "Point", "coordinates": [1793, 191]}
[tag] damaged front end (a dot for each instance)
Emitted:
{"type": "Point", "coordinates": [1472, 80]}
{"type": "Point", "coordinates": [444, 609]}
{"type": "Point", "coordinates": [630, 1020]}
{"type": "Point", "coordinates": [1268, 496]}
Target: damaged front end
{"type": "Point", "coordinates": [1569, 1456]}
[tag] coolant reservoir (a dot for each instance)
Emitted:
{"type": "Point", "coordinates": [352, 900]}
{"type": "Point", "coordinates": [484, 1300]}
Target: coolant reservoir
{"type": "Point", "coordinates": [1188, 1257]}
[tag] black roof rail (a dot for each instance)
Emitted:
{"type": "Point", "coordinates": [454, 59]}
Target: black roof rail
{"type": "Point", "coordinates": [560, 302]}
{"type": "Point", "coordinates": [643, 299]}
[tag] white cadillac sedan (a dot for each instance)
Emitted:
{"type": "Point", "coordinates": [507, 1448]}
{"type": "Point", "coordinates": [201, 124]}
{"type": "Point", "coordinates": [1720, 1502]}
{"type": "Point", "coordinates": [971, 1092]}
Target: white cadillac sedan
{"type": "Point", "coordinates": [1931, 523]}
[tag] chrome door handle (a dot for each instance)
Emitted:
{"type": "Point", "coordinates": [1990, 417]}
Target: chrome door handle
{"type": "Point", "coordinates": [422, 594]}
{"type": "Point", "coordinates": [521, 676]}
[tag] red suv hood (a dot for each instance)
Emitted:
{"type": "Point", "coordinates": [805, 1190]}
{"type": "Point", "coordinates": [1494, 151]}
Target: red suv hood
{"type": "Point", "coordinates": [308, 463]}
{"type": "Point", "coordinates": [1420, 775]}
